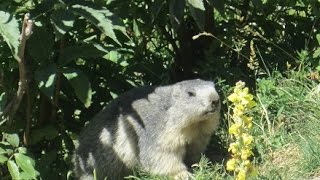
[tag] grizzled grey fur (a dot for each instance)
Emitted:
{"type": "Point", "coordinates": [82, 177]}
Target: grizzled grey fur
{"type": "Point", "coordinates": [159, 129]}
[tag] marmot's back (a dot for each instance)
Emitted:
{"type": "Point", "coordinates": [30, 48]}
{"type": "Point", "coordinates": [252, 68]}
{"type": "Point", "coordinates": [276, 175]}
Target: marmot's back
{"type": "Point", "coordinates": [159, 129]}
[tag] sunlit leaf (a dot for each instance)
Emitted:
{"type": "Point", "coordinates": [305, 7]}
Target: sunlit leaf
{"type": "Point", "coordinates": [197, 11]}
{"type": "Point", "coordinates": [318, 38]}
{"type": "Point", "coordinates": [46, 79]}
{"type": "Point", "coordinates": [316, 53]}
{"type": "Point", "coordinates": [2, 151]}
{"type": "Point", "coordinates": [62, 21]}
{"type": "Point", "coordinates": [9, 30]}
{"type": "Point", "coordinates": [22, 150]}
{"type": "Point", "coordinates": [101, 18]}
{"type": "Point", "coordinates": [3, 101]}
{"type": "Point", "coordinates": [26, 164]}
{"type": "Point", "coordinates": [113, 56]}
{"type": "Point", "coordinates": [3, 159]}
{"type": "Point", "coordinates": [13, 169]}
{"type": "Point", "coordinates": [80, 83]}
{"type": "Point", "coordinates": [12, 139]}
{"type": "Point", "coordinates": [136, 30]}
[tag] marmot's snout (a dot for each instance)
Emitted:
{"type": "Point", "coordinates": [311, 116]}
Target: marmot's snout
{"type": "Point", "coordinates": [215, 104]}
{"type": "Point", "coordinates": [213, 100]}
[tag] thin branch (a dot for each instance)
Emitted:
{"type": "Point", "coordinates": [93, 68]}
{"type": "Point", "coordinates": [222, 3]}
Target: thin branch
{"type": "Point", "coordinates": [222, 42]}
{"type": "Point", "coordinates": [14, 104]}
{"type": "Point", "coordinates": [169, 38]}
{"type": "Point", "coordinates": [244, 56]}
{"type": "Point", "coordinates": [311, 31]}
{"type": "Point", "coordinates": [26, 137]}
{"type": "Point", "coordinates": [56, 97]}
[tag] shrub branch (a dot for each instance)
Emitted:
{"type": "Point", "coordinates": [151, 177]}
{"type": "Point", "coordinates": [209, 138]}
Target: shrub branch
{"type": "Point", "coordinates": [14, 104]}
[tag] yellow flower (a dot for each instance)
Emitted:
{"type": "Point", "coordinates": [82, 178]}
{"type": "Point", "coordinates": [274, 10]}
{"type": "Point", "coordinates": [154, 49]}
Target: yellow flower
{"type": "Point", "coordinates": [234, 128]}
{"type": "Point", "coordinates": [231, 164]}
{"type": "Point", "coordinates": [246, 153]}
{"type": "Point", "coordinates": [233, 98]}
{"type": "Point", "coordinates": [251, 104]}
{"type": "Point", "coordinates": [241, 148]}
{"type": "Point", "coordinates": [241, 174]}
{"type": "Point", "coordinates": [247, 163]}
{"type": "Point", "coordinates": [249, 125]}
{"type": "Point", "coordinates": [247, 139]}
{"type": "Point", "coordinates": [233, 148]}
{"type": "Point", "coordinates": [240, 84]}
{"type": "Point", "coordinates": [246, 119]}
{"type": "Point", "coordinates": [238, 110]}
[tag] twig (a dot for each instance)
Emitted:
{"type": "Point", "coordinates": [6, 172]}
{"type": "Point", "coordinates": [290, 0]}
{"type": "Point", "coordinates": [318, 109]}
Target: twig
{"type": "Point", "coordinates": [275, 45]}
{"type": "Point", "coordinates": [14, 104]}
{"type": "Point", "coordinates": [169, 38]}
{"type": "Point", "coordinates": [311, 31]}
{"type": "Point", "coordinates": [26, 137]}
{"type": "Point", "coordinates": [56, 97]}
{"type": "Point", "coordinates": [211, 35]}
{"type": "Point", "coordinates": [254, 33]}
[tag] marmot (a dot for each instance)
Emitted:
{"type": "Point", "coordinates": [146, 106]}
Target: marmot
{"type": "Point", "coordinates": [161, 130]}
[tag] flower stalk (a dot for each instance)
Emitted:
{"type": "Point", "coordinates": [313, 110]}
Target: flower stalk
{"type": "Point", "coordinates": [239, 130]}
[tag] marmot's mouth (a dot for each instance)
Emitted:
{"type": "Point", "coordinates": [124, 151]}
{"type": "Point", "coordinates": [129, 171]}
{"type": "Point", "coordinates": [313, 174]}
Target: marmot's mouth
{"type": "Point", "coordinates": [210, 111]}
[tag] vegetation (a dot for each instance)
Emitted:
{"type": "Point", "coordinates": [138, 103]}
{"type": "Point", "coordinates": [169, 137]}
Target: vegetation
{"type": "Point", "coordinates": [82, 54]}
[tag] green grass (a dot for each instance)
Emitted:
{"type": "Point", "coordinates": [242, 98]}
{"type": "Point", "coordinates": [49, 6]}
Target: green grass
{"type": "Point", "coordinates": [286, 131]}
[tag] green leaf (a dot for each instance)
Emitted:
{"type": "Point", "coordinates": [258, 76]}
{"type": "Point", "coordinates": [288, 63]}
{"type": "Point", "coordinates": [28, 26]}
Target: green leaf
{"type": "Point", "coordinates": [9, 30]}
{"type": "Point", "coordinates": [71, 53]}
{"type": "Point", "coordinates": [101, 18]}
{"type": "Point", "coordinates": [40, 45]}
{"type": "Point", "coordinates": [62, 21]}
{"type": "Point", "coordinates": [316, 53]}
{"type": "Point", "coordinates": [218, 5]}
{"type": "Point", "coordinates": [3, 101]}
{"type": "Point", "coordinates": [197, 11]}
{"type": "Point", "coordinates": [12, 139]}
{"type": "Point", "coordinates": [2, 151]}
{"type": "Point", "coordinates": [176, 11]}
{"type": "Point", "coordinates": [13, 169]}
{"type": "Point", "coordinates": [26, 164]}
{"type": "Point", "coordinates": [136, 30]}
{"type": "Point", "coordinates": [24, 175]}
{"type": "Point", "coordinates": [80, 84]}
{"type": "Point", "coordinates": [113, 56]}
{"type": "Point", "coordinates": [22, 150]}
{"type": "Point", "coordinates": [6, 148]}
{"type": "Point", "coordinates": [318, 38]}
{"type": "Point", "coordinates": [46, 79]}
{"type": "Point", "coordinates": [3, 159]}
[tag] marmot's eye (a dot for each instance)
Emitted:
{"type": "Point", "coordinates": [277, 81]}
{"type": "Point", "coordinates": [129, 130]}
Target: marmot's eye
{"type": "Point", "coordinates": [191, 93]}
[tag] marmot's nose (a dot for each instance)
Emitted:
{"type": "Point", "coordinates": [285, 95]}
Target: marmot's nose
{"type": "Point", "coordinates": [215, 102]}
{"type": "Point", "coordinates": [214, 99]}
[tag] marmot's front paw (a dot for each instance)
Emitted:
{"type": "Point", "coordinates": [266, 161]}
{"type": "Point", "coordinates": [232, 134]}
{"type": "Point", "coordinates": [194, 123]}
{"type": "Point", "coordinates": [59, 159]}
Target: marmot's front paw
{"type": "Point", "coordinates": [183, 175]}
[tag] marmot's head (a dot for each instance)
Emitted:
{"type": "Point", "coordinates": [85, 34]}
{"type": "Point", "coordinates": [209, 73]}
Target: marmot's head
{"type": "Point", "coordinates": [194, 101]}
